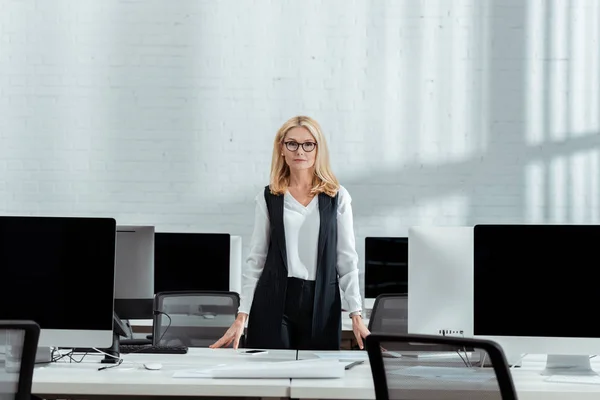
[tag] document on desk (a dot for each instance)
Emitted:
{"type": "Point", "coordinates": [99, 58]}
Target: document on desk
{"type": "Point", "coordinates": [457, 374]}
{"type": "Point", "coordinates": [422, 355]}
{"type": "Point", "coordinates": [350, 355]}
{"type": "Point", "coordinates": [312, 369]}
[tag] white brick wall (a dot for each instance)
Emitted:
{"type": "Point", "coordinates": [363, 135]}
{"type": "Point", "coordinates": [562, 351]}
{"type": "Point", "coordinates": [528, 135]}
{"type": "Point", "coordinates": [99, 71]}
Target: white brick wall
{"type": "Point", "coordinates": [437, 112]}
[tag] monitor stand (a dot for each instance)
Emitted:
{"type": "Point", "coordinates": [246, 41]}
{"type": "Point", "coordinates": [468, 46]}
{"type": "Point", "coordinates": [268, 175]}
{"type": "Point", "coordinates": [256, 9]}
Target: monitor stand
{"type": "Point", "coordinates": [112, 354]}
{"type": "Point", "coordinates": [568, 365]}
{"type": "Point", "coordinates": [43, 355]}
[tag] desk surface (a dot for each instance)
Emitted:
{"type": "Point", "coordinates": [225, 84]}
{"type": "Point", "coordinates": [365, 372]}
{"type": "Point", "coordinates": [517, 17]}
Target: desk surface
{"type": "Point", "coordinates": [358, 383]}
{"type": "Point", "coordinates": [131, 378]}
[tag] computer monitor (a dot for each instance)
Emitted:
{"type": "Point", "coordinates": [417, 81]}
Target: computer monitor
{"type": "Point", "coordinates": [134, 283]}
{"type": "Point", "coordinates": [535, 288]}
{"type": "Point", "coordinates": [191, 261]}
{"type": "Point", "coordinates": [440, 278]}
{"type": "Point", "coordinates": [235, 264]}
{"type": "Point", "coordinates": [60, 273]}
{"type": "Point", "coordinates": [386, 267]}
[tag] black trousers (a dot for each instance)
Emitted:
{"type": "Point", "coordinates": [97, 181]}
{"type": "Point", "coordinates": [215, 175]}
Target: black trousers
{"type": "Point", "coordinates": [296, 326]}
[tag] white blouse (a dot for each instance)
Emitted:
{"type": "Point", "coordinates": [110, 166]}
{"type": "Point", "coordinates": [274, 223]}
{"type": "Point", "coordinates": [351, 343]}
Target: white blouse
{"type": "Point", "coordinates": [301, 226]}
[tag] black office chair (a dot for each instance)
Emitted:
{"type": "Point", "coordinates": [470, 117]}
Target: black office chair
{"type": "Point", "coordinates": [18, 348]}
{"type": "Point", "coordinates": [455, 375]}
{"type": "Point", "coordinates": [390, 314]}
{"type": "Point", "coordinates": [193, 318]}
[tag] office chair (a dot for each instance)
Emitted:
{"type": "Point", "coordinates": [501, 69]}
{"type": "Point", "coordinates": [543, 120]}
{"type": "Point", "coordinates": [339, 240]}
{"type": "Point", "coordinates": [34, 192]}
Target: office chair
{"type": "Point", "coordinates": [456, 375]}
{"type": "Point", "coordinates": [390, 317]}
{"type": "Point", "coordinates": [18, 347]}
{"type": "Point", "coordinates": [193, 318]}
{"type": "Point", "coordinates": [390, 314]}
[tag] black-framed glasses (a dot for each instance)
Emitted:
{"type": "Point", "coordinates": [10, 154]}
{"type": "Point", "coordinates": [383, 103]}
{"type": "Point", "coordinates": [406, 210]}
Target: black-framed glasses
{"type": "Point", "coordinates": [307, 146]}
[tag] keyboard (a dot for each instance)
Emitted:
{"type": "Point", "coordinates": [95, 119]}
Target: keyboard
{"type": "Point", "coordinates": [148, 349]}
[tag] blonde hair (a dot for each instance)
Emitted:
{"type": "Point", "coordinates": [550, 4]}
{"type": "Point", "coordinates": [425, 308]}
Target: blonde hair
{"type": "Point", "coordinates": [324, 181]}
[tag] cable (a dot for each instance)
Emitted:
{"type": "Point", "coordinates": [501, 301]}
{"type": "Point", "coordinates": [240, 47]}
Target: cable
{"type": "Point", "coordinates": [69, 355]}
{"type": "Point", "coordinates": [119, 362]}
{"type": "Point", "coordinates": [467, 357]}
{"type": "Point", "coordinates": [168, 325]}
{"type": "Point", "coordinates": [463, 359]}
{"type": "Point", "coordinates": [515, 365]}
{"type": "Point", "coordinates": [105, 353]}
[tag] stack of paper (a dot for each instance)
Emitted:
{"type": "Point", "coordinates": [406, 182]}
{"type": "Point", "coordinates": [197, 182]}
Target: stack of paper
{"type": "Point", "coordinates": [271, 370]}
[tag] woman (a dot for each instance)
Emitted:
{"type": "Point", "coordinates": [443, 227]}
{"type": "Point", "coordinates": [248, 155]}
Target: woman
{"type": "Point", "coordinates": [302, 252]}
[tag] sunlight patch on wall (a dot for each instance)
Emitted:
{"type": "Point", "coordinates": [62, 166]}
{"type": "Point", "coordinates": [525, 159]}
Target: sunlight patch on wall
{"type": "Point", "coordinates": [583, 186]}
{"type": "Point", "coordinates": [584, 69]}
{"type": "Point", "coordinates": [594, 182]}
{"type": "Point", "coordinates": [554, 95]}
{"type": "Point", "coordinates": [448, 129]}
{"type": "Point", "coordinates": [557, 190]}
{"type": "Point", "coordinates": [566, 190]}
{"type": "Point", "coordinates": [534, 73]}
{"type": "Point", "coordinates": [562, 71]}
{"type": "Point", "coordinates": [535, 199]}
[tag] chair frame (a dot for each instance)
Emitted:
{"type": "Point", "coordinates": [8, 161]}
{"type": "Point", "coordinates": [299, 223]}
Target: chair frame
{"type": "Point", "coordinates": [30, 345]}
{"type": "Point", "coordinates": [494, 351]}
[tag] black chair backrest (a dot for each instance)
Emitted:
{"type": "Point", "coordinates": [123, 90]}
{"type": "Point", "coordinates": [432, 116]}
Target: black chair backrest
{"type": "Point", "coordinates": [390, 314]}
{"type": "Point", "coordinates": [19, 343]}
{"type": "Point", "coordinates": [193, 318]}
{"type": "Point", "coordinates": [399, 373]}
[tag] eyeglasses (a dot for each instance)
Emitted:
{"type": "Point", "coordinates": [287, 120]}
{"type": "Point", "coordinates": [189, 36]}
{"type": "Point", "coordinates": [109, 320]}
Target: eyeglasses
{"type": "Point", "coordinates": [307, 146]}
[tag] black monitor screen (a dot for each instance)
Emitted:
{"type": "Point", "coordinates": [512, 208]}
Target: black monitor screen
{"type": "Point", "coordinates": [386, 266]}
{"type": "Point", "coordinates": [191, 261]}
{"type": "Point", "coordinates": [58, 271]}
{"type": "Point", "coordinates": [536, 280]}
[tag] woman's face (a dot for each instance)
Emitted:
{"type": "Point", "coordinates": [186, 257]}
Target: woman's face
{"type": "Point", "coordinates": [299, 149]}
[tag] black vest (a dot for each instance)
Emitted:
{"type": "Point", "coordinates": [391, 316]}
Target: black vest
{"type": "Point", "coordinates": [266, 314]}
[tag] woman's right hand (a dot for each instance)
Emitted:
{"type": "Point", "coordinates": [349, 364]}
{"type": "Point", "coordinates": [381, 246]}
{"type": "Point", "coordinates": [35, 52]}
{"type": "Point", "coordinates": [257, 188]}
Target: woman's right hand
{"type": "Point", "coordinates": [233, 334]}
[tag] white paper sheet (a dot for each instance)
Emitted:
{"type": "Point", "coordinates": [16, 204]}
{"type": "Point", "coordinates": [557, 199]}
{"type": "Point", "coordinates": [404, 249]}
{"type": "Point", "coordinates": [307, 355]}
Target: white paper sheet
{"type": "Point", "coordinates": [313, 369]}
{"type": "Point", "coordinates": [352, 355]}
{"type": "Point", "coordinates": [425, 355]}
{"type": "Point", "coordinates": [447, 373]}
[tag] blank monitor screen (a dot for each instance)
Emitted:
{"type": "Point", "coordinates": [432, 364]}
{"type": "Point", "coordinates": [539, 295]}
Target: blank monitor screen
{"type": "Point", "coordinates": [58, 272]}
{"type": "Point", "coordinates": [440, 277]}
{"type": "Point", "coordinates": [386, 266]}
{"type": "Point", "coordinates": [191, 261]}
{"type": "Point", "coordinates": [536, 280]}
{"type": "Point", "coordinates": [134, 272]}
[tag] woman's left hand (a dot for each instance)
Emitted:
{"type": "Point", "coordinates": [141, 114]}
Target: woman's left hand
{"type": "Point", "coordinates": [360, 330]}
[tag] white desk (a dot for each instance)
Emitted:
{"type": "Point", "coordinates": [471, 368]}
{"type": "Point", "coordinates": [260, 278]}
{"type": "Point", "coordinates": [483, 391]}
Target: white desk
{"type": "Point", "coordinates": [131, 379]}
{"type": "Point", "coordinates": [530, 384]}
{"type": "Point", "coordinates": [358, 384]}
{"type": "Point", "coordinates": [64, 379]}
